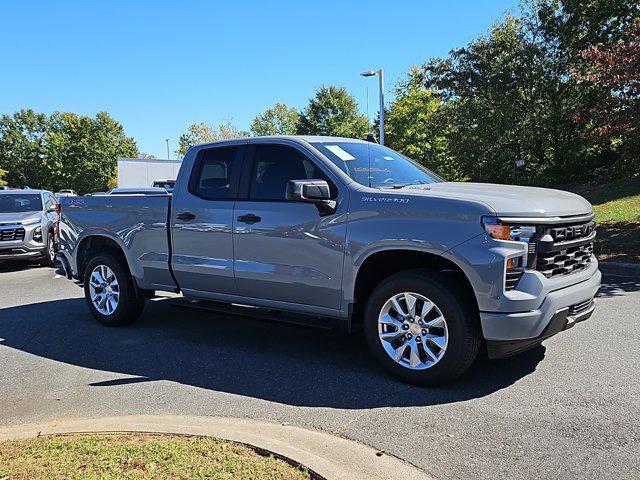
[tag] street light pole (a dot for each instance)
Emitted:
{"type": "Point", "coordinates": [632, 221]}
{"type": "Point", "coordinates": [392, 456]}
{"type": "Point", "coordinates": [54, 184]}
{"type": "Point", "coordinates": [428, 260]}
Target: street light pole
{"type": "Point", "coordinates": [380, 74]}
{"type": "Point", "coordinates": [168, 155]}
{"type": "Point", "coordinates": [381, 78]}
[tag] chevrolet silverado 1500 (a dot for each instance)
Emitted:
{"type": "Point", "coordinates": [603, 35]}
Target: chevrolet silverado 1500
{"type": "Point", "coordinates": [351, 231]}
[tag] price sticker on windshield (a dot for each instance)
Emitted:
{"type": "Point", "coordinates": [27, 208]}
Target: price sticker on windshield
{"type": "Point", "coordinates": [340, 152]}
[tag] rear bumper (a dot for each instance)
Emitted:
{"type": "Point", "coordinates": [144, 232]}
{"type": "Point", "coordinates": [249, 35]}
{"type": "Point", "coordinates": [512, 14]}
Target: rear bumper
{"type": "Point", "coordinates": [560, 309]}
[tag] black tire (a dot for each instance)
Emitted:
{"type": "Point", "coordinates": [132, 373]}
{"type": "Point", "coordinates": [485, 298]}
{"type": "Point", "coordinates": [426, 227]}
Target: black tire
{"type": "Point", "coordinates": [459, 310]}
{"type": "Point", "coordinates": [49, 255]}
{"type": "Point", "coordinates": [129, 306]}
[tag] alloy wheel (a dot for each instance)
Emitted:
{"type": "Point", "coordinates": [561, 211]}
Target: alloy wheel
{"type": "Point", "coordinates": [104, 290]}
{"type": "Point", "coordinates": [413, 331]}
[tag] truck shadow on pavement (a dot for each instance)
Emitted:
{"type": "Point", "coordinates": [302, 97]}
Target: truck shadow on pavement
{"type": "Point", "coordinates": [282, 363]}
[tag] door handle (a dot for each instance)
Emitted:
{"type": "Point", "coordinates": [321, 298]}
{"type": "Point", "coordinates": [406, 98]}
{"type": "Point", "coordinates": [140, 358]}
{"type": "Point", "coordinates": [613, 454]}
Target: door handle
{"type": "Point", "coordinates": [249, 218]}
{"type": "Point", "coordinates": [186, 216]}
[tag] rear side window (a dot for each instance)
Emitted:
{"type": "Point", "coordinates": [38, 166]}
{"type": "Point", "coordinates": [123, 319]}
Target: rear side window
{"type": "Point", "coordinates": [274, 166]}
{"type": "Point", "coordinates": [216, 172]}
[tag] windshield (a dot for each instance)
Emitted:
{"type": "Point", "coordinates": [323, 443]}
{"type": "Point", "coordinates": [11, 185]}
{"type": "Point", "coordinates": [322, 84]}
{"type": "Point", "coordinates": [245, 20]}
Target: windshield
{"type": "Point", "coordinates": [18, 203]}
{"type": "Point", "coordinates": [388, 169]}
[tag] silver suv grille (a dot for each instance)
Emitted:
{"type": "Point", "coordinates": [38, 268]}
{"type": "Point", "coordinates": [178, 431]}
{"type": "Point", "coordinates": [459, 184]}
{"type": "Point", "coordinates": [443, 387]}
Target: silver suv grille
{"type": "Point", "coordinates": [8, 234]}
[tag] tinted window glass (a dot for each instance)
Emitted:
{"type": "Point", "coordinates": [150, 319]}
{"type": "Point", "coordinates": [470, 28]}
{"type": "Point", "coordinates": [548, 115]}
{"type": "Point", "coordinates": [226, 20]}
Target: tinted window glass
{"type": "Point", "coordinates": [11, 203]}
{"type": "Point", "coordinates": [217, 173]}
{"type": "Point", "coordinates": [274, 166]}
{"type": "Point", "coordinates": [374, 165]}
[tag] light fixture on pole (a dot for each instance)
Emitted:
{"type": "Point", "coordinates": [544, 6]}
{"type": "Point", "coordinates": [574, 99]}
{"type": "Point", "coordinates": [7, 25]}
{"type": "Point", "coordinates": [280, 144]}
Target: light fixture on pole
{"type": "Point", "coordinates": [380, 73]}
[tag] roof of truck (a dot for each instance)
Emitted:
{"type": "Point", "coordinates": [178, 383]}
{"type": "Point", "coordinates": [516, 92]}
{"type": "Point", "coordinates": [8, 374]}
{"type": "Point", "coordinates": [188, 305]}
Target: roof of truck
{"type": "Point", "coordinates": [294, 138]}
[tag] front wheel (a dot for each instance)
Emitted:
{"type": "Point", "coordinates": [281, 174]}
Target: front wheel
{"type": "Point", "coordinates": [49, 255]}
{"type": "Point", "coordinates": [422, 327]}
{"type": "Point", "coordinates": [109, 291]}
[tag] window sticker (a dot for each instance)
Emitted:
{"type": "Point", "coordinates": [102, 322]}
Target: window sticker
{"type": "Point", "coordinates": [340, 153]}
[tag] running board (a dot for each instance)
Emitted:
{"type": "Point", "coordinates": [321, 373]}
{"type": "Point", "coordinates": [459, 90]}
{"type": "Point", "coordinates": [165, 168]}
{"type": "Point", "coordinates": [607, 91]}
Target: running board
{"type": "Point", "coordinates": [280, 316]}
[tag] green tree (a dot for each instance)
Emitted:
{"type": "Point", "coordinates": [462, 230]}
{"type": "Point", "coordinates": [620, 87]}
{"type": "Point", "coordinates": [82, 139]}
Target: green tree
{"type": "Point", "coordinates": [277, 120]}
{"type": "Point", "coordinates": [417, 126]}
{"type": "Point", "coordinates": [23, 148]}
{"type": "Point", "coordinates": [203, 133]}
{"type": "Point", "coordinates": [2, 174]}
{"type": "Point", "coordinates": [508, 99]}
{"type": "Point", "coordinates": [83, 151]}
{"type": "Point", "coordinates": [63, 150]}
{"type": "Point", "coordinates": [333, 111]}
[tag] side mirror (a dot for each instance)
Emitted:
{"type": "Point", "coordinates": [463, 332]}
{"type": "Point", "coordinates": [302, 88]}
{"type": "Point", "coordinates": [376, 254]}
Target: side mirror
{"type": "Point", "coordinates": [52, 208]}
{"type": "Point", "coordinates": [312, 191]}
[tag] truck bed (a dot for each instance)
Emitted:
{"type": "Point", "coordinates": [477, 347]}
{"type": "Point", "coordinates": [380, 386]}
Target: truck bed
{"type": "Point", "coordinates": [138, 223]}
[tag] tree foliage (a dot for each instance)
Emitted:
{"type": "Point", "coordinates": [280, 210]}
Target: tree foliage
{"type": "Point", "coordinates": [513, 94]}
{"type": "Point", "coordinates": [2, 180]}
{"type": "Point", "coordinates": [614, 117]}
{"type": "Point", "coordinates": [417, 126]}
{"type": "Point", "coordinates": [63, 150]}
{"type": "Point", "coordinates": [277, 120]}
{"type": "Point", "coordinates": [333, 111]}
{"type": "Point", "coordinates": [203, 133]}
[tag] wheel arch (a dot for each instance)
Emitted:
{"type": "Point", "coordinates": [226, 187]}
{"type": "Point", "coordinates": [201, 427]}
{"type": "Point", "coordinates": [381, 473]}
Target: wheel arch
{"type": "Point", "coordinates": [381, 264]}
{"type": "Point", "coordinates": [91, 245]}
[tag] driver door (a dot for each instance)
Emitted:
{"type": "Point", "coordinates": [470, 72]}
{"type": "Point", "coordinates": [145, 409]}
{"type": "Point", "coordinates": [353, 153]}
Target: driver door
{"type": "Point", "coordinates": [287, 251]}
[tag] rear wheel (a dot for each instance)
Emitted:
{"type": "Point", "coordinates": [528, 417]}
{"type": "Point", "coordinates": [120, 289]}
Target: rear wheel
{"type": "Point", "coordinates": [110, 293]}
{"type": "Point", "coordinates": [422, 327]}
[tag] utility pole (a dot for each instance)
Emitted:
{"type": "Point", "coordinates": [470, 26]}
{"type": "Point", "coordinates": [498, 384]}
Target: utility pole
{"type": "Point", "coordinates": [168, 154]}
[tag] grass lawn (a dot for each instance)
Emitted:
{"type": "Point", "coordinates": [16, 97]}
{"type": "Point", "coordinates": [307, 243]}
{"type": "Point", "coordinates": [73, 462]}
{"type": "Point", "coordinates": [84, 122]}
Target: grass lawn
{"type": "Point", "coordinates": [137, 456]}
{"type": "Point", "coordinates": [617, 208]}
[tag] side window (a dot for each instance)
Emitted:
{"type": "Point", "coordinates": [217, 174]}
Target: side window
{"type": "Point", "coordinates": [215, 173]}
{"type": "Point", "coordinates": [274, 166]}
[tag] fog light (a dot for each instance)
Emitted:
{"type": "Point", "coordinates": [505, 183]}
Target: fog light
{"type": "Point", "coordinates": [37, 235]}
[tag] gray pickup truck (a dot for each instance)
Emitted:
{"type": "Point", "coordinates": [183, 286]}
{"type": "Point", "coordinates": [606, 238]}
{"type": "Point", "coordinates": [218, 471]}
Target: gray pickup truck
{"type": "Point", "coordinates": [345, 231]}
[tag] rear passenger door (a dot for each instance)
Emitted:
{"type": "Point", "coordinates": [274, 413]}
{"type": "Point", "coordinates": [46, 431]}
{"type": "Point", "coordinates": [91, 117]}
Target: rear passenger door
{"type": "Point", "coordinates": [286, 251]}
{"type": "Point", "coordinates": [202, 221]}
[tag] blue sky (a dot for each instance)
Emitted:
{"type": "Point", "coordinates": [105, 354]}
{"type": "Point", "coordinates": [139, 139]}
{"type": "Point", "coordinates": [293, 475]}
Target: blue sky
{"type": "Point", "coordinates": [158, 66]}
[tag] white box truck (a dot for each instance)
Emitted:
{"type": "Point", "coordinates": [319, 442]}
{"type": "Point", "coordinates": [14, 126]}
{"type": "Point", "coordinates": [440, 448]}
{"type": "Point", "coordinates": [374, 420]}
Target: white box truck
{"type": "Point", "coordinates": [143, 172]}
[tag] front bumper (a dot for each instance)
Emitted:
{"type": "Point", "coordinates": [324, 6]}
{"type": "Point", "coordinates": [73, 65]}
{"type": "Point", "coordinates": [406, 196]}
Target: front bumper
{"type": "Point", "coordinates": [23, 249]}
{"type": "Point", "coordinates": [561, 320]}
{"type": "Point", "coordinates": [559, 310]}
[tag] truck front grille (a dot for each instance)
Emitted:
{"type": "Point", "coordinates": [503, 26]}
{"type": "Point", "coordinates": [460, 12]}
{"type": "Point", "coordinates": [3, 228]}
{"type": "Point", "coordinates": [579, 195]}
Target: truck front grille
{"type": "Point", "coordinates": [8, 234]}
{"type": "Point", "coordinates": [564, 249]}
{"type": "Point", "coordinates": [562, 262]}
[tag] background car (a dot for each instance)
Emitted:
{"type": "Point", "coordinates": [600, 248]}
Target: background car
{"type": "Point", "coordinates": [28, 222]}
{"type": "Point", "coordinates": [66, 193]}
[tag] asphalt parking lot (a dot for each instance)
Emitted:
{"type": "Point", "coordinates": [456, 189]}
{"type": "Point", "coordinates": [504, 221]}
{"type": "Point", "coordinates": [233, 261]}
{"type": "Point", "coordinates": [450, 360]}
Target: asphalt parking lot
{"type": "Point", "coordinates": [568, 409]}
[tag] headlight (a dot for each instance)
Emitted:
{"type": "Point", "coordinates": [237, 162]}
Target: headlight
{"type": "Point", "coordinates": [517, 233]}
{"type": "Point", "coordinates": [37, 235]}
